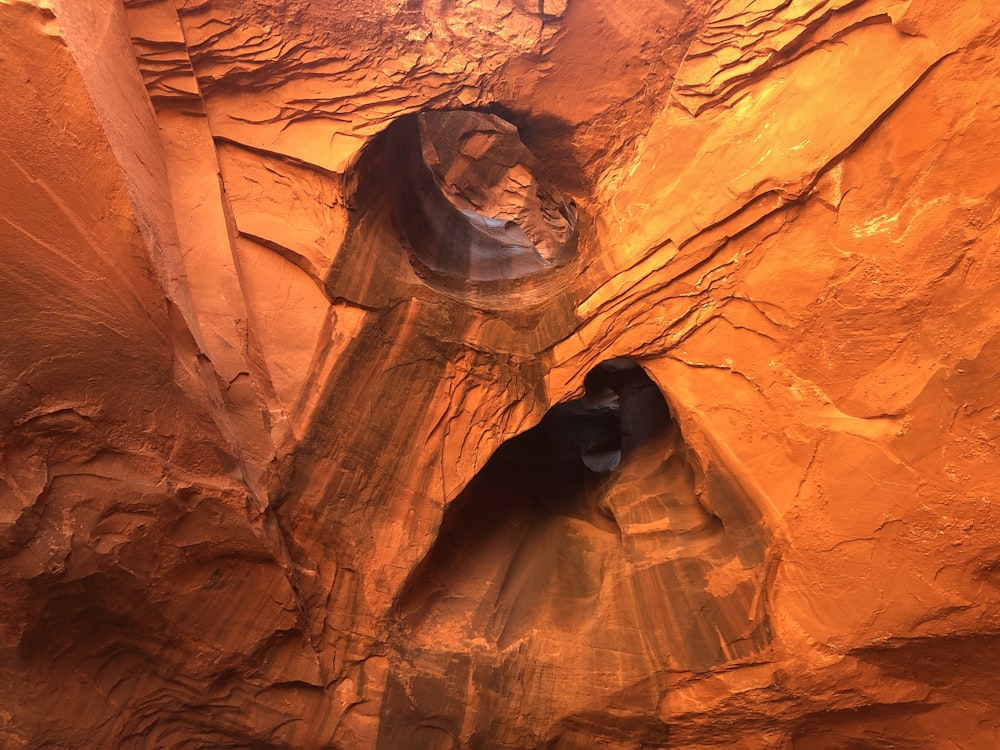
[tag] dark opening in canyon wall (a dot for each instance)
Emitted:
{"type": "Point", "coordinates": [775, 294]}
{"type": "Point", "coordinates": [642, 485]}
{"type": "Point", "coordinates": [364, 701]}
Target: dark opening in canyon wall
{"type": "Point", "coordinates": [467, 199]}
{"type": "Point", "coordinates": [587, 549]}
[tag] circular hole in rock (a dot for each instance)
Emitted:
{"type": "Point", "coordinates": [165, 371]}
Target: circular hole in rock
{"type": "Point", "coordinates": [468, 201]}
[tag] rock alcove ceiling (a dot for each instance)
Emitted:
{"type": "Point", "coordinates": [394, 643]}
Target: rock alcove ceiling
{"type": "Point", "coordinates": [499, 375]}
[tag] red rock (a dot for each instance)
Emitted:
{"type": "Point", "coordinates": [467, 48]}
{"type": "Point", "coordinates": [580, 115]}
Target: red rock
{"type": "Point", "coordinates": [499, 375]}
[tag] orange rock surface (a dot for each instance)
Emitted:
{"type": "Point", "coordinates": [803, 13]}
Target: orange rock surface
{"type": "Point", "coordinates": [569, 374]}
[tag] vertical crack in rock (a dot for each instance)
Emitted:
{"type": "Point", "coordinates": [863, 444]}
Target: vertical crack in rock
{"type": "Point", "coordinates": [595, 548]}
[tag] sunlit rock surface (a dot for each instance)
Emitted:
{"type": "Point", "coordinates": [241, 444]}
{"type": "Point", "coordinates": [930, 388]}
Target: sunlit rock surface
{"type": "Point", "coordinates": [499, 374]}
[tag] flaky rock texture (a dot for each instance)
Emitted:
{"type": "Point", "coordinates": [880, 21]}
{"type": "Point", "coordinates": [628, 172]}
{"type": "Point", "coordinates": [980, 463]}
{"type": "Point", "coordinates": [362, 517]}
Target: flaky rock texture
{"type": "Point", "coordinates": [497, 374]}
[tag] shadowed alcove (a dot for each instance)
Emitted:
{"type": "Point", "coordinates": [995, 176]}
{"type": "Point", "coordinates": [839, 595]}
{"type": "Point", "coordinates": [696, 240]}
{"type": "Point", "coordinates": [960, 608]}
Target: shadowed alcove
{"type": "Point", "coordinates": [598, 545]}
{"type": "Point", "coordinates": [468, 201]}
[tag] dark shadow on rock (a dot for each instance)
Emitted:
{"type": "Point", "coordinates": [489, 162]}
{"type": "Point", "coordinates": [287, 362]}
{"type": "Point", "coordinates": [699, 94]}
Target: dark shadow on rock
{"type": "Point", "coordinates": [592, 544]}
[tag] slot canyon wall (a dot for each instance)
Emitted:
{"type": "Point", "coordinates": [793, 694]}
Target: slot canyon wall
{"type": "Point", "coordinates": [582, 373]}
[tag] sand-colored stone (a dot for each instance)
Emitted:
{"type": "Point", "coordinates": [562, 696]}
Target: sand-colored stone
{"type": "Point", "coordinates": [717, 471]}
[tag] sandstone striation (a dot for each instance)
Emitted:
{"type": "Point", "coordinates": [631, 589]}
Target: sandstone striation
{"type": "Point", "coordinates": [499, 374]}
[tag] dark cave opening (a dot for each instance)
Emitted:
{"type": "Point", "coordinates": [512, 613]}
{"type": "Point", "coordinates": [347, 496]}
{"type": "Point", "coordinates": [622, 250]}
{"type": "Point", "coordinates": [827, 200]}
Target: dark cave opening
{"type": "Point", "coordinates": [558, 468]}
{"type": "Point", "coordinates": [589, 547]}
{"type": "Point", "coordinates": [466, 198]}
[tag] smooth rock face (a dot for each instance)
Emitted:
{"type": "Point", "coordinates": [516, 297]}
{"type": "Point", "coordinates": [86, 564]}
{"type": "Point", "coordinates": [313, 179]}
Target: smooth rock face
{"type": "Point", "coordinates": [499, 374]}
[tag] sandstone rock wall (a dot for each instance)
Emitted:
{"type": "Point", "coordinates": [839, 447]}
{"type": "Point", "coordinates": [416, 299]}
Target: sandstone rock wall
{"type": "Point", "coordinates": [652, 402]}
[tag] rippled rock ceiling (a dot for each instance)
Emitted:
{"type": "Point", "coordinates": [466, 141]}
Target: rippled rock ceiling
{"type": "Point", "coordinates": [497, 374]}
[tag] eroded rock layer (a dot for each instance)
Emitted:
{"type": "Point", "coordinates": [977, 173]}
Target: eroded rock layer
{"type": "Point", "coordinates": [499, 374]}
